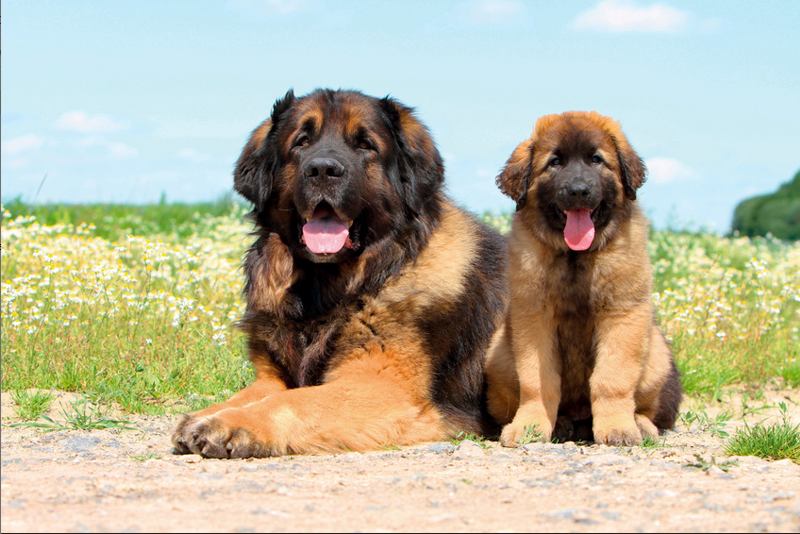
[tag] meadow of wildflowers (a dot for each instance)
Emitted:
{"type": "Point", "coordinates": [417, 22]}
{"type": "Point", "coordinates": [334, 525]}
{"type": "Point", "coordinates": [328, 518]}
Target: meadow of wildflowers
{"type": "Point", "coordinates": [730, 306]}
{"type": "Point", "coordinates": [141, 320]}
{"type": "Point", "coordinates": [147, 318]}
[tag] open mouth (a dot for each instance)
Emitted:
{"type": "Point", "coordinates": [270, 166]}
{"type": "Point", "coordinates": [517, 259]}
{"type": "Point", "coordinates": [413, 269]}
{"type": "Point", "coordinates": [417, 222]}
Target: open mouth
{"type": "Point", "coordinates": [325, 232]}
{"type": "Point", "coordinates": [579, 227]}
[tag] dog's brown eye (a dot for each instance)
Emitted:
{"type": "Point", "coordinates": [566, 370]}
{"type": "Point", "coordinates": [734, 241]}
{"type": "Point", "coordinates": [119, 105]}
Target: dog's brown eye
{"type": "Point", "coordinates": [363, 145]}
{"type": "Point", "coordinates": [555, 161]}
{"type": "Point", "coordinates": [302, 141]}
{"type": "Point", "coordinates": [597, 159]}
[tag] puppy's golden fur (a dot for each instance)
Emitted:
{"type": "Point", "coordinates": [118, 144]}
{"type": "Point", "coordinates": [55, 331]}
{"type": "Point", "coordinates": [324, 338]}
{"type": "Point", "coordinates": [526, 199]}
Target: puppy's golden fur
{"type": "Point", "coordinates": [580, 345]}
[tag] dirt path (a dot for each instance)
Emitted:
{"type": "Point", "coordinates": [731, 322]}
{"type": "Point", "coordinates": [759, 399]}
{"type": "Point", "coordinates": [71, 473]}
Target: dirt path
{"type": "Point", "coordinates": [97, 481]}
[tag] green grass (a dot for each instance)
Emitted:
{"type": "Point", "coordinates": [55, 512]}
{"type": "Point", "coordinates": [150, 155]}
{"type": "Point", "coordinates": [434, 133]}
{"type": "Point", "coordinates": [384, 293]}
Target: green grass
{"type": "Point", "coordinates": [715, 425]}
{"type": "Point", "coordinates": [704, 465]}
{"type": "Point", "coordinates": [469, 436]}
{"type": "Point", "coordinates": [649, 443]}
{"type": "Point", "coordinates": [31, 404]}
{"type": "Point", "coordinates": [530, 434]}
{"type": "Point", "coordinates": [778, 441]}
{"type": "Point", "coordinates": [145, 320]}
{"type": "Point", "coordinates": [82, 414]}
{"type": "Point", "coordinates": [136, 305]}
{"type": "Point", "coordinates": [116, 221]}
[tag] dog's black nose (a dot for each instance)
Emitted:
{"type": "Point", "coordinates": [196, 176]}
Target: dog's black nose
{"type": "Point", "coordinates": [578, 189]}
{"type": "Point", "coordinates": [323, 168]}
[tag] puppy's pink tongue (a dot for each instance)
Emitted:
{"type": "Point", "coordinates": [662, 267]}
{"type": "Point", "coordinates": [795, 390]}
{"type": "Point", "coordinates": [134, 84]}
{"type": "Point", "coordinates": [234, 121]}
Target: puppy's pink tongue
{"type": "Point", "coordinates": [579, 231]}
{"type": "Point", "coordinates": [325, 234]}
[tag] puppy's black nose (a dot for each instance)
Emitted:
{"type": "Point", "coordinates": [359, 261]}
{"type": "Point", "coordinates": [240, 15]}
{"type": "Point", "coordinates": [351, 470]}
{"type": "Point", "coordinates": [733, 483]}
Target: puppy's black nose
{"type": "Point", "coordinates": [325, 168]}
{"type": "Point", "coordinates": [578, 189]}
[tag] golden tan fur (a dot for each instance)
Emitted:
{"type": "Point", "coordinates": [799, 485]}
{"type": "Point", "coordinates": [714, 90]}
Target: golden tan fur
{"type": "Point", "coordinates": [381, 339]}
{"type": "Point", "coordinates": [580, 341]}
{"type": "Point", "coordinates": [384, 381]}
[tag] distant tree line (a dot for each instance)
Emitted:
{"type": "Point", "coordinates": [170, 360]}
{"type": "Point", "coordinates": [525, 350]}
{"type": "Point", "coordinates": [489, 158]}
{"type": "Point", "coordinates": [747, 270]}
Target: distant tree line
{"type": "Point", "coordinates": [777, 213]}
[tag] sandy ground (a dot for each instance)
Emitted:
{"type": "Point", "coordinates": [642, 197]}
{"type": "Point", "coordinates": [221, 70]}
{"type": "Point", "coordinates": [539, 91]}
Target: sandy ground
{"type": "Point", "coordinates": [130, 481]}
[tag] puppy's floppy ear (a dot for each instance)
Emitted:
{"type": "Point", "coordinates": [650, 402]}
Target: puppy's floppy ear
{"type": "Point", "coordinates": [255, 168]}
{"type": "Point", "coordinates": [631, 166]}
{"type": "Point", "coordinates": [514, 179]}
{"type": "Point", "coordinates": [420, 165]}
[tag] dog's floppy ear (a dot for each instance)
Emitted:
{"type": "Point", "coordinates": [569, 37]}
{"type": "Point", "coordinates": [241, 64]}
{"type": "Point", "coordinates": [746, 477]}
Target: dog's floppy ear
{"type": "Point", "coordinates": [420, 165]}
{"type": "Point", "coordinates": [255, 168]}
{"type": "Point", "coordinates": [631, 166]}
{"type": "Point", "coordinates": [514, 179]}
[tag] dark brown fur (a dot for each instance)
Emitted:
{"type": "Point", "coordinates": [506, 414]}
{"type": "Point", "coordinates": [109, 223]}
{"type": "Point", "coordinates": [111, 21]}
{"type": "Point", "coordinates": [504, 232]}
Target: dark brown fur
{"type": "Point", "coordinates": [381, 343]}
{"type": "Point", "coordinates": [580, 344]}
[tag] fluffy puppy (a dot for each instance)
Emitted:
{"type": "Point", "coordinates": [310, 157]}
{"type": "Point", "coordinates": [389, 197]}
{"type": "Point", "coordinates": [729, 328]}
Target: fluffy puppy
{"type": "Point", "coordinates": [580, 349]}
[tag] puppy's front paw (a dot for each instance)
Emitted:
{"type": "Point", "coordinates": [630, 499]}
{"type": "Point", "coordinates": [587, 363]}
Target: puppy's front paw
{"type": "Point", "coordinates": [618, 437]}
{"type": "Point", "coordinates": [647, 428]}
{"type": "Point", "coordinates": [520, 433]}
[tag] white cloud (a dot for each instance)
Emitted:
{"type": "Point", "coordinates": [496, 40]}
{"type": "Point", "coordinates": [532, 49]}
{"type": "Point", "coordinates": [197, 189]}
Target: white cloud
{"type": "Point", "coordinates": [625, 16]}
{"type": "Point", "coordinates": [115, 150]}
{"type": "Point", "coordinates": [493, 11]}
{"type": "Point", "coordinates": [20, 144]}
{"type": "Point", "coordinates": [79, 121]}
{"type": "Point", "coordinates": [192, 155]}
{"type": "Point", "coordinates": [665, 170]}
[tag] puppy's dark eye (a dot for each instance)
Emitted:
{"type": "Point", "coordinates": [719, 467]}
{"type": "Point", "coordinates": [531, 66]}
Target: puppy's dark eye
{"type": "Point", "coordinates": [364, 145]}
{"type": "Point", "coordinates": [597, 159]}
{"type": "Point", "coordinates": [301, 141]}
{"type": "Point", "coordinates": [555, 161]}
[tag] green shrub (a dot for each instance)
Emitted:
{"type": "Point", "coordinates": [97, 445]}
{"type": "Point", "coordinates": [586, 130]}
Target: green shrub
{"type": "Point", "coordinates": [777, 213]}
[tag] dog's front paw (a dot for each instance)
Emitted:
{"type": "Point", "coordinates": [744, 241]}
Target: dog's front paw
{"type": "Point", "coordinates": [179, 435]}
{"type": "Point", "coordinates": [212, 438]}
{"type": "Point", "coordinates": [201, 435]}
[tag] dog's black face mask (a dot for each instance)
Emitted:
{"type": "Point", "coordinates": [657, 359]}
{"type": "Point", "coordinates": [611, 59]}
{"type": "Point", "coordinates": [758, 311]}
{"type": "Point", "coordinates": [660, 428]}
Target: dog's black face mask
{"type": "Point", "coordinates": [331, 168]}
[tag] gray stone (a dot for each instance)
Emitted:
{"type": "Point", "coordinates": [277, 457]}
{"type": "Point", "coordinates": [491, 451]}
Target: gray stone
{"type": "Point", "coordinates": [80, 443]}
{"type": "Point", "coordinates": [578, 516]}
{"type": "Point", "coordinates": [441, 447]}
{"type": "Point", "coordinates": [607, 459]}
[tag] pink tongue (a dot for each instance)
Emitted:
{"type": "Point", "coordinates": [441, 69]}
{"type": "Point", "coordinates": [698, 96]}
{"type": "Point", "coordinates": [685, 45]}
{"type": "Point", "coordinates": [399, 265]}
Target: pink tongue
{"type": "Point", "coordinates": [325, 234]}
{"type": "Point", "coordinates": [579, 231]}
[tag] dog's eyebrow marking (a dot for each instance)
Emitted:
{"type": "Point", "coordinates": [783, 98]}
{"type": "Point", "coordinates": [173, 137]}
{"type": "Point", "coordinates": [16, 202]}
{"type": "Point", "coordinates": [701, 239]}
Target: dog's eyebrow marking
{"type": "Point", "coordinates": [309, 125]}
{"type": "Point", "coordinates": [354, 121]}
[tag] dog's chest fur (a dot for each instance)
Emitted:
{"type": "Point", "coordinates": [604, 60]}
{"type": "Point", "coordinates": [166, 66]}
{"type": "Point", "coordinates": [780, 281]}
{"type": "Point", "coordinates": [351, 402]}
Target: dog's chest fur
{"type": "Point", "coordinates": [573, 295]}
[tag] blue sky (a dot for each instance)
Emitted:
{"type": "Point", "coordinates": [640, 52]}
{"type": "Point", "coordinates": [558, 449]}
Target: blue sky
{"type": "Point", "coordinates": [121, 101]}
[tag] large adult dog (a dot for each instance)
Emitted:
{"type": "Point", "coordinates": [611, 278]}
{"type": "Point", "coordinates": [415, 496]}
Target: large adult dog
{"type": "Point", "coordinates": [371, 298]}
{"type": "Point", "coordinates": [580, 348]}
